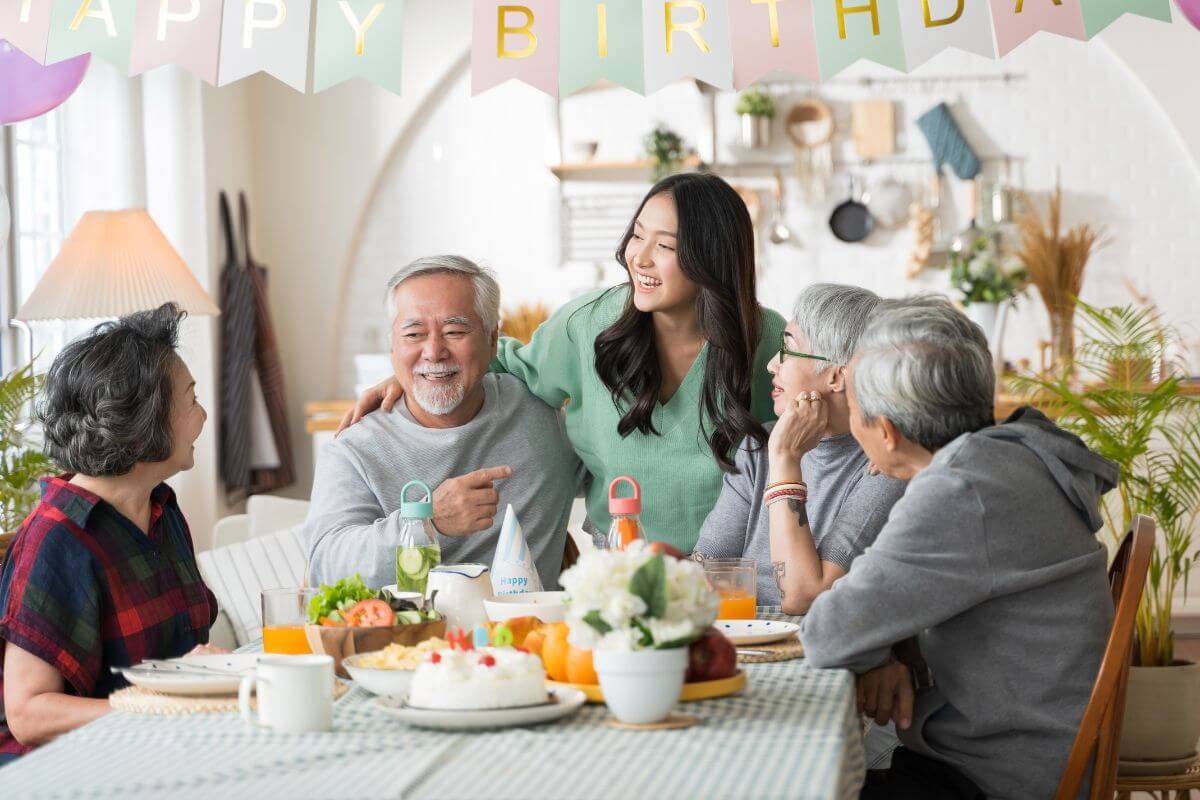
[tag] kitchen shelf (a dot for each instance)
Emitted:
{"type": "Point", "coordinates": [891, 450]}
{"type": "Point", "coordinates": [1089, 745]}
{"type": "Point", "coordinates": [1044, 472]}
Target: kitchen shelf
{"type": "Point", "coordinates": [593, 169]}
{"type": "Point", "coordinates": [581, 168]}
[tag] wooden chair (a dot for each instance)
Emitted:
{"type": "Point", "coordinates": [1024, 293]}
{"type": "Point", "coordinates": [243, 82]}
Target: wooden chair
{"type": "Point", "coordinates": [1161, 787]}
{"type": "Point", "coordinates": [1100, 729]}
{"type": "Point", "coordinates": [5, 541]}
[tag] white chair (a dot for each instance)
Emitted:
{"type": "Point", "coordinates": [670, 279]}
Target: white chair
{"type": "Point", "coordinates": [264, 549]}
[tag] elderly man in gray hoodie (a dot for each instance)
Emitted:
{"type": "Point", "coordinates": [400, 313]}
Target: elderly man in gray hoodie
{"type": "Point", "coordinates": [989, 560]}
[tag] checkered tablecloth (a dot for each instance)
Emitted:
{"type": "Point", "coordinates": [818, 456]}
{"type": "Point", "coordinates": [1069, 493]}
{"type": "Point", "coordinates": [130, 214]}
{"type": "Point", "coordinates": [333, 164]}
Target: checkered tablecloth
{"type": "Point", "coordinates": [793, 733]}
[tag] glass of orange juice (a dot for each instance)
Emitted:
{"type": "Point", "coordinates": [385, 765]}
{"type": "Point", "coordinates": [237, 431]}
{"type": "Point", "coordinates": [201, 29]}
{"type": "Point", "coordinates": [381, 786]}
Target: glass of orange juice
{"type": "Point", "coordinates": [736, 581]}
{"type": "Point", "coordinates": [284, 612]}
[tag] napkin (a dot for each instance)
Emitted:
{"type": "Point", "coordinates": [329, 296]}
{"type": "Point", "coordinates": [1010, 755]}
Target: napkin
{"type": "Point", "coordinates": [513, 571]}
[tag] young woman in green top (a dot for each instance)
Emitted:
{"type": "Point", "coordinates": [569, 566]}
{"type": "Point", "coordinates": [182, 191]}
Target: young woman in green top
{"type": "Point", "coordinates": [663, 376]}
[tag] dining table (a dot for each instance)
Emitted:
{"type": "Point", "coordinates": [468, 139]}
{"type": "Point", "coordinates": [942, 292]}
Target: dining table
{"type": "Point", "coordinates": [793, 732]}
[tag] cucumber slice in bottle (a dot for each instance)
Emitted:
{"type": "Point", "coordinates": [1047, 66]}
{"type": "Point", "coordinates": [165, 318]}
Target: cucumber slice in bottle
{"type": "Point", "coordinates": [412, 562]}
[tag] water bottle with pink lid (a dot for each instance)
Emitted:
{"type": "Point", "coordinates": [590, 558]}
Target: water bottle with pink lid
{"type": "Point", "coordinates": [626, 513]}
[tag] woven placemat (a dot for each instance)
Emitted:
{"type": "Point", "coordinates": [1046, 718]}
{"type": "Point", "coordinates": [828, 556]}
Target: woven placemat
{"type": "Point", "coordinates": [672, 722]}
{"type": "Point", "coordinates": [143, 701]}
{"type": "Point", "coordinates": [776, 651]}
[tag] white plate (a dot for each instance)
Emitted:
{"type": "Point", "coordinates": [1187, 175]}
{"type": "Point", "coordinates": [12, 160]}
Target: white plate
{"type": "Point", "coordinates": [546, 606]}
{"type": "Point", "coordinates": [755, 631]}
{"type": "Point", "coordinates": [563, 703]}
{"type": "Point", "coordinates": [169, 677]}
{"type": "Point", "coordinates": [383, 682]}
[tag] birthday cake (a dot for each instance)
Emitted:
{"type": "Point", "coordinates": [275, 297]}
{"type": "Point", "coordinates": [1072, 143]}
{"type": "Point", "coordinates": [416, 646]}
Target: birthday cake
{"type": "Point", "coordinates": [483, 678]}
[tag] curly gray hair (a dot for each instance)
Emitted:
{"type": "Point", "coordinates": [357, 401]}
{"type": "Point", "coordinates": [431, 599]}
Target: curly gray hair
{"type": "Point", "coordinates": [106, 403]}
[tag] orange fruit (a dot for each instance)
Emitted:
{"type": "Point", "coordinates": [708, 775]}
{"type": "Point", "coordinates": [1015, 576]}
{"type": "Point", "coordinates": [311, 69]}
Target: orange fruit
{"type": "Point", "coordinates": [580, 668]}
{"type": "Point", "coordinates": [534, 641]}
{"type": "Point", "coordinates": [554, 652]}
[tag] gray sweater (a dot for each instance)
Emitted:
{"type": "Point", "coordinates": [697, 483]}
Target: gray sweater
{"type": "Point", "coordinates": [846, 508]}
{"type": "Point", "coordinates": [356, 491]}
{"type": "Point", "coordinates": [990, 559]}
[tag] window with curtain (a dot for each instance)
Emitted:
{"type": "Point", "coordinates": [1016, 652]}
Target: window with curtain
{"type": "Point", "coordinates": [86, 154]}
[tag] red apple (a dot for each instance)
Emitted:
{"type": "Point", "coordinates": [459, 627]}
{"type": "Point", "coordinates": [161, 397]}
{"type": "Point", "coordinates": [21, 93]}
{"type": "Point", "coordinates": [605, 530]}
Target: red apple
{"type": "Point", "coordinates": [711, 657]}
{"type": "Point", "coordinates": [667, 550]}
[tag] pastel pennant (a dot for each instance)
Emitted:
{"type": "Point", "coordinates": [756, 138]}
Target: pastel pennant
{"type": "Point", "coordinates": [103, 28]}
{"type": "Point", "coordinates": [1099, 14]}
{"type": "Point", "coordinates": [687, 38]}
{"type": "Point", "coordinates": [849, 30]}
{"type": "Point", "coordinates": [602, 40]}
{"type": "Point", "coordinates": [358, 39]}
{"type": "Point", "coordinates": [772, 35]}
{"type": "Point", "coordinates": [515, 40]}
{"type": "Point", "coordinates": [1017, 20]}
{"type": "Point", "coordinates": [268, 36]}
{"type": "Point", "coordinates": [183, 32]}
{"type": "Point", "coordinates": [931, 26]}
{"type": "Point", "coordinates": [26, 26]}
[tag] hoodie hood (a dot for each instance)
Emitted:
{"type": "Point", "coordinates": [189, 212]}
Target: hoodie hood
{"type": "Point", "coordinates": [1083, 476]}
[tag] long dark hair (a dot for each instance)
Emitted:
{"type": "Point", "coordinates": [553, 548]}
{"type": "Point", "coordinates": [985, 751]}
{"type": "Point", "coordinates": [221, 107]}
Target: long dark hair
{"type": "Point", "coordinates": [715, 247]}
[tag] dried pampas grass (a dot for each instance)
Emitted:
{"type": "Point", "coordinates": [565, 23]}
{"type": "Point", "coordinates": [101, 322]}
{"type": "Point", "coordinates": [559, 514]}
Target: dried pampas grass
{"type": "Point", "coordinates": [521, 322]}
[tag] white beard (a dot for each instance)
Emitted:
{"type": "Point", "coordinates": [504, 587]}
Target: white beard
{"type": "Point", "coordinates": [438, 400]}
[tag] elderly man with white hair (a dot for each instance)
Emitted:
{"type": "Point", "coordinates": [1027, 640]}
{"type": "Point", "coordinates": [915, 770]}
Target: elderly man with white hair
{"type": "Point", "coordinates": [460, 429]}
{"type": "Point", "coordinates": [990, 559]}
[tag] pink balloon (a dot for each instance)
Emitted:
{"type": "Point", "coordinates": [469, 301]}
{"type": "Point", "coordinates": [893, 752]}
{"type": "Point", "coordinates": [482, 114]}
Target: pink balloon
{"type": "Point", "coordinates": [28, 90]}
{"type": "Point", "coordinates": [1191, 10]}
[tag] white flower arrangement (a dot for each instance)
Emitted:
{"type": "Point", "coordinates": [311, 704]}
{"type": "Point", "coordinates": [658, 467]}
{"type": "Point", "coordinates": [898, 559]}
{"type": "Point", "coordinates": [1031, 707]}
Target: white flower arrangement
{"type": "Point", "coordinates": [636, 599]}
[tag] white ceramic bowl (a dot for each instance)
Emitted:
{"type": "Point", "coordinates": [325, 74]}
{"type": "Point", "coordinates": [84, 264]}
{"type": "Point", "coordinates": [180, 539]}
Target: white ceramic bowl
{"type": "Point", "coordinates": [546, 606]}
{"type": "Point", "coordinates": [383, 682]}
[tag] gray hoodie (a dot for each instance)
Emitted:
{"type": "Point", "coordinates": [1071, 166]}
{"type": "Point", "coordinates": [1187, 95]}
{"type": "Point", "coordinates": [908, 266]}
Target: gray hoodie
{"type": "Point", "coordinates": [990, 559]}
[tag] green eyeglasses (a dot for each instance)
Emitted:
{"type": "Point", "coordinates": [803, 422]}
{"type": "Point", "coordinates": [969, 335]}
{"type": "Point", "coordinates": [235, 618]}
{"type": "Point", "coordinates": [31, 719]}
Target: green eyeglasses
{"type": "Point", "coordinates": [783, 351]}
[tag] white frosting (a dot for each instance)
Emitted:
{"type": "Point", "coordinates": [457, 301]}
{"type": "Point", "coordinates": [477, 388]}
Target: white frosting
{"type": "Point", "coordinates": [460, 680]}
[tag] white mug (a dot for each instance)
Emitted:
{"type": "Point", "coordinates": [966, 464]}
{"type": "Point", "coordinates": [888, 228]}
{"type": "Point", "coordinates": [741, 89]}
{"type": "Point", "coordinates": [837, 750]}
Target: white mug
{"type": "Point", "coordinates": [295, 693]}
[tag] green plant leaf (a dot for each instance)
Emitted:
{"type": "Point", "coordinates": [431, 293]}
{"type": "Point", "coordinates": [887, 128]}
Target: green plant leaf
{"type": "Point", "coordinates": [650, 584]}
{"type": "Point", "coordinates": [597, 622]}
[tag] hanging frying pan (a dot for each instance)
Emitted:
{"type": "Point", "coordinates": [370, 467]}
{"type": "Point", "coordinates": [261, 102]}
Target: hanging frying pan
{"type": "Point", "coordinates": [852, 221]}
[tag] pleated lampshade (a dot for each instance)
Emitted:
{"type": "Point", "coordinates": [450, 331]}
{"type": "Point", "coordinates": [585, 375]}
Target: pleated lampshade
{"type": "Point", "coordinates": [112, 264]}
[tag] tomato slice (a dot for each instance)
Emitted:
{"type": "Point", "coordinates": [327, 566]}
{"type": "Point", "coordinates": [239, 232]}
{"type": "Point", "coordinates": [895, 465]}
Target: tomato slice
{"type": "Point", "coordinates": [370, 614]}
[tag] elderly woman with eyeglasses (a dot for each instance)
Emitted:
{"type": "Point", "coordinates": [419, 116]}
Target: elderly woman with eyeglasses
{"type": "Point", "coordinates": [102, 572]}
{"type": "Point", "coordinates": [805, 506]}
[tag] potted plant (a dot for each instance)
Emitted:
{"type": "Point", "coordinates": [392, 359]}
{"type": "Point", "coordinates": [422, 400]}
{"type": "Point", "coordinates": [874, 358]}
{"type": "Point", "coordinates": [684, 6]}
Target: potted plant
{"type": "Point", "coordinates": [666, 149]}
{"type": "Point", "coordinates": [20, 466]}
{"type": "Point", "coordinates": [638, 611]}
{"type": "Point", "coordinates": [755, 110]}
{"type": "Point", "coordinates": [1149, 426]}
{"type": "Point", "coordinates": [988, 284]}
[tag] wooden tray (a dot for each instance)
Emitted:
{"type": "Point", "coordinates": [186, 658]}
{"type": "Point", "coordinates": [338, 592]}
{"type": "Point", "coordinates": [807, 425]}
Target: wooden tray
{"type": "Point", "coordinates": [703, 690]}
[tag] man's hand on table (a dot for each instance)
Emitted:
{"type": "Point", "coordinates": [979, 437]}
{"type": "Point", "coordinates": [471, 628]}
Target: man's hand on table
{"type": "Point", "coordinates": [886, 693]}
{"type": "Point", "coordinates": [467, 504]}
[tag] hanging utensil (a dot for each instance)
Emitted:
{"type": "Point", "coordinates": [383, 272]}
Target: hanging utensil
{"type": "Point", "coordinates": [810, 126]}
{"type": "Point", "coordinates": [964, 242]}
{"type": "Point", "coordinates": [852, 221]}
{"type": "Point", "coordinates": [780, 232]}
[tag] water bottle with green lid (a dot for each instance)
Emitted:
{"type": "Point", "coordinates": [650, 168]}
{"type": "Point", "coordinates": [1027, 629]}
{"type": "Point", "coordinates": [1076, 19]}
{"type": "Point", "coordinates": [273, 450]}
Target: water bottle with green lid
{"type": "Point", "coordinates": [418, 550]}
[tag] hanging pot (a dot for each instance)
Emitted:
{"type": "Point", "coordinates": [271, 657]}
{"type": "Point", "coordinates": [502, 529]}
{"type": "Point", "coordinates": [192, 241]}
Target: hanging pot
{"type": "Point", "coordinates": [852, 221]}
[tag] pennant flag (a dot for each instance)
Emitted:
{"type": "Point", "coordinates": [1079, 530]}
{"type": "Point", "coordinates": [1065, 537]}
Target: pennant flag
{"type": "Point", "coordinates": [848, 30]}
{"type": "Point", "coordinates": [103, 28]}
{"type": "Point", "coordinates": [930, 26]}
{"type": "Point", "coordinates": [1017, 20]}
{"type": "Point", "coordinates": [26, 26]}
{"type": "Point", "coordinates": [268, 36]}
{"type": "Point", "coordinates": [183, 32]}
{"type": "Point", "coordinates": [358, 39]}
{"type": "Point", "coordinates": [603, 40]}
{"type": "Point", "coordinates": [687, 38]}
{"type": "Point", "coordinates": [515, 40]}
{"type": "Point", "coordinates": [1099, 14]}
{"type": "Point", "coordinates": [772, 35]}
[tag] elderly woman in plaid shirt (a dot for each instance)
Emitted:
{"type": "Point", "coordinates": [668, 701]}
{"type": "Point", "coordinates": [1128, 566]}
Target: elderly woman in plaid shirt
{"type": "Point", "coordinates": [103, 571]}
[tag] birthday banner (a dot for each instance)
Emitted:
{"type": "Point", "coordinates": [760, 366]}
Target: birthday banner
{"type": "Point", "coordinates": [556, 46]}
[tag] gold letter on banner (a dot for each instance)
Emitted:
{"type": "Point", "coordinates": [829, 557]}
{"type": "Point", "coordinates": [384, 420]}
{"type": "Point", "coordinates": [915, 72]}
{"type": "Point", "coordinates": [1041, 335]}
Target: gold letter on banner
{"type": "Point", "coordinates": [165, 16]}
{"type": "Point", "coordinates": [842, 11]}
{"type": "Point", "coordinates": [773, 15]}
{"type": "Point", "coordinates": [85, 10]}
{"type": "Point", "coordinates": [251, 23]}
{"type": "Point", "coordinates": [525, 30]}
{"type": "Point", "coordinates": [25, 4]}
{"type": "Point", "coordinates": [1021, 5]}
{"type": "Point", "coordinates": [691, 28]}
{"type": "Point", "coordinates": [602, 27]}
{"type": "Point", "coordinates": [360, 28]}
{"type": "Point", "coordinates": [930, 22]}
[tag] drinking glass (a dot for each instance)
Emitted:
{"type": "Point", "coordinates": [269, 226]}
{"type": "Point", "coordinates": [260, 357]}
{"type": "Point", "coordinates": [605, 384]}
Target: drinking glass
{"type": "Point", "coordinates": [284, 613]}
{"type": "Point", "coordinates": [736, 581]}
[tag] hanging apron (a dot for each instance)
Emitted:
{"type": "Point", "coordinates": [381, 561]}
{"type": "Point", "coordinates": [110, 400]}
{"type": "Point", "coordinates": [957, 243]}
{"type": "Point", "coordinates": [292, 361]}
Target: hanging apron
{"type": "Point", "coordinates": [237, 362]}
